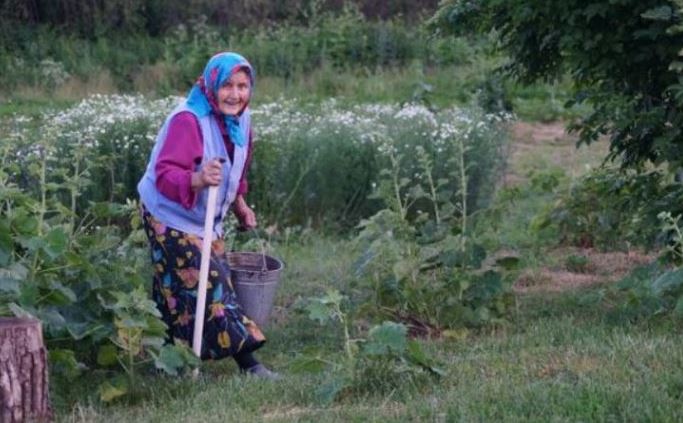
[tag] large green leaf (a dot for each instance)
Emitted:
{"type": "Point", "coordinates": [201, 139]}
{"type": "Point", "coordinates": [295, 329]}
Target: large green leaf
{"type": "Point", "coordinates": [679, 307]}
{"type": "Point", "coordinates": [9, 285]}
{"type": "Point", "coordinates": [417, 356]}
{"type": "Point", "coordinates": [328, 391]}
{"type": "Point", "coordinates": [484, 287]}
{"type": "Point", "coordinates": [6, 244]}
{"type": "Point", "coordinates": [32, 243]}
{"type": "Point", "coordinates": [155, 326]}
{"type": "Point", "coordinates": [55, 242]}
{"type": "Point", "coordinates": [63, 362]}
{"type": "Point", "coordinates": [107, 355]}
{"type": "Point", "coordinates": [24, 224]}
{"type": "Point", "coordinates": [318, 311]}
{"type": "Point", "coordinates": [12, 277]}
{"type": "Point", "coordinates": [333, 297]}
{"type": "Point", "coordinates": [471, 258]}
{"type": "Point", "coordinates": [307, 363]}
{"type": "Point", "coordinates": [153, 341]}
{"type": "Point", "coordinates": [51, 318]}
{"type": "Point", "coordinates": [661, 13]}
{"type": "Point", "coordinates": [61, 294]}
{"type": "Point", "coordinates": [669, 282]}
{"type": "Point", "coordinates": [170, 360]}
{"type": "Point", "coordinates": [15, 271]}
{"type": "Point", "coordinates": [131, 322]}
{"type": "Point", "coordinates": [79, 330]}
{"type": "Point", "coordinates": [19, 311]}
{"type": "Point", "coordinates": [389, 337]}
{"type": "Point", "coordinates": [114, 388]}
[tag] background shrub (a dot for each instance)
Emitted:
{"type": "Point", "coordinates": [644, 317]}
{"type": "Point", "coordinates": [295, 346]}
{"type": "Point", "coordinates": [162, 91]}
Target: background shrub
{"type": "Point", "coordinates": [313, 165]}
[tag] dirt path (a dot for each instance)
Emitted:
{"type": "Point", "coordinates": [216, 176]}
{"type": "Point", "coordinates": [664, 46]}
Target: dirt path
{"type": "Point", "coordinates": [541, 146]}
{"type": "Point", "coordinates": [599, 268]}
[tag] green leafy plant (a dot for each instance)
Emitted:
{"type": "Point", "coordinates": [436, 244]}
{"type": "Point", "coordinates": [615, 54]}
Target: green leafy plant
{"type": "Point", "coordinates": [383, 358]}
{"type": "Point", "coordinates": [668, 286]}
{"type": "Point", "coordinates": [423, 265]}
{"type": "Point", "coordinates": [63, 262]}
{"type": "Point", "coordinates": [672, 229]}
{"type": "Point", "coordinates": [656, 290]}
{"type": "Point", "coordinates": [612, 208]}
{"type": "Point", "coordinates": [139, 338]}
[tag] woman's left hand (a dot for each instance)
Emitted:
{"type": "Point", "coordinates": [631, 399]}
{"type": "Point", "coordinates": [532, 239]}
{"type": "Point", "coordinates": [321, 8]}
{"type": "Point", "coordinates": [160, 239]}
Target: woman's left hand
{"type": "Point", "coordinates": [244, 213]}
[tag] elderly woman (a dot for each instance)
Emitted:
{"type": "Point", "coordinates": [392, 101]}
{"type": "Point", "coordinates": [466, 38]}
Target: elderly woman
{"type": "Point", "coordinates": [206, 140]}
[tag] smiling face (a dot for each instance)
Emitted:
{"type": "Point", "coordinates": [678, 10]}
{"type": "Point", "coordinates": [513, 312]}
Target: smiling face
{"type": "Point", "coordinates": [233, 95]}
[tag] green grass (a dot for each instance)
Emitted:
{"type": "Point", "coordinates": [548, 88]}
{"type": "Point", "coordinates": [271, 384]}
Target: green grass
{"type": "Point", "coordinates": [31, 106]}
{"type": "Point", "coordinates": [438, 86]}
{"type": "Point", "coordinates": [448, 84]}
{"type": "Point", "coordinates": [561, 357]}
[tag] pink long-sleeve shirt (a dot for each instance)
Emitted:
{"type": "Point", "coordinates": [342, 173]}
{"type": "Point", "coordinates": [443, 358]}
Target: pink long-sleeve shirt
{"type": "Point", "coordinates": [182, 149]}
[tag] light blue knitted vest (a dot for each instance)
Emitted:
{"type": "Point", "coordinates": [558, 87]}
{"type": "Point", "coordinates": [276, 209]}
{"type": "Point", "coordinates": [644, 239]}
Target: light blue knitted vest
{"type": "Point", "coordinates": [172, 213]}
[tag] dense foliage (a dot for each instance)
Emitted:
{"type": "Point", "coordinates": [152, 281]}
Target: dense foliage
{"type": "Point", "coordinates": [620, 55]}
{"type": "Point", "coordinates": [299, 154]}
{"type": "Point", "coordinates": [40, 57]}
{"type": "Point", "coordinates": [103, 17]}
{"type": "Point", "coordinates": [420, 259]}
{"type": "Point", "coordinates": [319, 166]}
{"type": "Point", "coordinates": [383, 359]}
{"type": "Point", "coordinates": [613, 209]}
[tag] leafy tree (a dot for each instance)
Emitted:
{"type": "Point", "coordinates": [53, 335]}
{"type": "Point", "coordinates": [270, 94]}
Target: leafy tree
{"type": "Point", "coordinates": [621, 54]}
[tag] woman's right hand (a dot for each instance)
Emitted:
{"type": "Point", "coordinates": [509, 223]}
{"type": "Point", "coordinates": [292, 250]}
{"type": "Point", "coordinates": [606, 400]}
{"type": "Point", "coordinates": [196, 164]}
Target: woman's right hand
{"type": "Point", "coordinates": [209, 174]}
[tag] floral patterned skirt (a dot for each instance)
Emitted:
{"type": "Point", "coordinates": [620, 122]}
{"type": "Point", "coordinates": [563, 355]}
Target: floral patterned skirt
{"type": "Point", "coordinates": [176, 257]}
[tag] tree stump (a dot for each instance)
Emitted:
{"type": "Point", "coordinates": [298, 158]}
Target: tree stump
{"type": "Point", "coordinates": [23, 372]}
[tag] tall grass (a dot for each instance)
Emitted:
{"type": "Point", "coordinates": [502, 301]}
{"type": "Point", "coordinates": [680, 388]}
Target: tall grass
{"type": "Point", "coordinates": [343, 56]}
{"type": "Point", "coordinates": [42, 58]}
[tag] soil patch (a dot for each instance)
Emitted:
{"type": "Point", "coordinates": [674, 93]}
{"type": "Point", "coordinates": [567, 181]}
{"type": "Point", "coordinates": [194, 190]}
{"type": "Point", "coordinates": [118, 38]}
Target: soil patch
{"type": "Point", "coordinates": [545, 145]}
{"type": "Point", "coordinates": [597, 268]}
{"type": "Point", "coordinates": [538, 132]}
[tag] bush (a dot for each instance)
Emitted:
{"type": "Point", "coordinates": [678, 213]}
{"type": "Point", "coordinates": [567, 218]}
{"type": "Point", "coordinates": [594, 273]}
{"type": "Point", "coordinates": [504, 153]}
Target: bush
{"type": "Point", "coordinates": [623, 57]}
{"type": "Point", "coordinates": [615, 209]}
{"type": "Point", "coordinates": [345, 41]}
{"type": "Point", "coordinates": [313, 165]}
{"type": "Point", "coordinates": [320, 165]}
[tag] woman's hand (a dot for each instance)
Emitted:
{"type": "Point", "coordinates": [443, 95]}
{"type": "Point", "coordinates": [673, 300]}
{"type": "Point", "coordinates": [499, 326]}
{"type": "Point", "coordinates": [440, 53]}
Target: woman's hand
{"type": "Point", "coordinates": [210, 174]}
{"type": "Point", "coordinates": [244, 213]}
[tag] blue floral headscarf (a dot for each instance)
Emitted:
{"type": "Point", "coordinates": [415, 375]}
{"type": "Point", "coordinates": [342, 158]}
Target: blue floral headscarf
{"type": "Point", "coordinates": [202, 97]}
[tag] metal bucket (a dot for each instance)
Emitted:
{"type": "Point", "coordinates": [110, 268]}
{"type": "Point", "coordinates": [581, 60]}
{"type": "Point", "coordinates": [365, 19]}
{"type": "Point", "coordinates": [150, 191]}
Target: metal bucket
{"type": "Point", "coordinates": [255, 277]}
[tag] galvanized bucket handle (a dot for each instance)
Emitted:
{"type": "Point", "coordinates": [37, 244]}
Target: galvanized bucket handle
{"type": "Point", "coordinates": [262, 244]}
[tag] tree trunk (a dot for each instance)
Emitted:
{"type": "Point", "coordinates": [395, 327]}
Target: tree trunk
{"type": "Point", "coordinates": [23, 372]}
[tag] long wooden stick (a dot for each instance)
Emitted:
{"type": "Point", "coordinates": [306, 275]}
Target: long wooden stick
{"type": "Point", "coordinates": [204, 273]}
